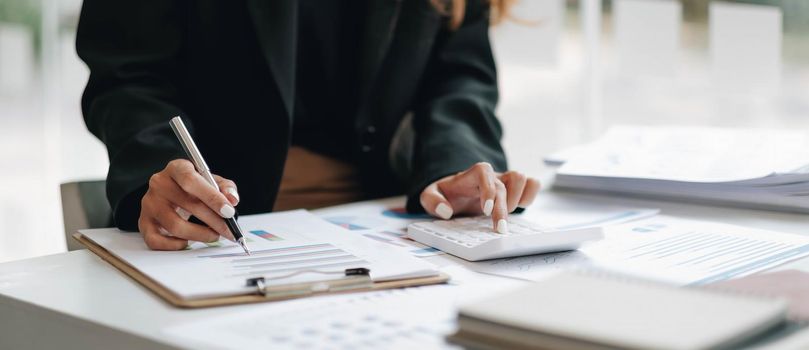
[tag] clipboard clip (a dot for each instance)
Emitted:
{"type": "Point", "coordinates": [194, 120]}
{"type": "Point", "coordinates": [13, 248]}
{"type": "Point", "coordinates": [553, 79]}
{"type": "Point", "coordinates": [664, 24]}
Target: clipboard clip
{"type": "Point", "coordinates": [352, 279]}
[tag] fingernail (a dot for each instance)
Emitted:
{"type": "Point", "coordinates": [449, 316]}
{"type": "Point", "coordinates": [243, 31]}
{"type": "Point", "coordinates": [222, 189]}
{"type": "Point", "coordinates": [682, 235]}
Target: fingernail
{"type": "Point", "coordinates": [227, 211]}
{"type": "Point", "coordinates": [488, 206]}
{"type": "Point", "coordinates": [443, 211]}
{"type": "Point", "coordinates": [502, 226]}
{"type": "Point", "coordinates": [233, 192]}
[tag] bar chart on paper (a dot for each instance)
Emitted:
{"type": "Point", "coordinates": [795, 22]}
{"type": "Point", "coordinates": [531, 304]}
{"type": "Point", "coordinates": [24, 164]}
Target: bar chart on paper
{"type": "Point", "coordinates": [398, 238]}
{"type": "Point", "coordinates": [372, 215]}
{"type": "Point", "coordinates": [693, 252]}
{"type": "Point", "coordinates": [315, 257]}
{"type": "Point", "coordinates": [678, 251]}
{"type": "Point", "coordinates": [401, 213]}
{"type": "Point", "coordinates": [384, 222]}
{"type": "Point", "coordinates": [351, 223]}
{"type": "Point", "coordinates": [266, 235]}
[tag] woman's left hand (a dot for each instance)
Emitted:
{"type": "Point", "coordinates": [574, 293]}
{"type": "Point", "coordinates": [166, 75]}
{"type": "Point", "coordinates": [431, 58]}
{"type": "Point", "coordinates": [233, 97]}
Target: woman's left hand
{"type": "Point", "coordinates": [480, 190]}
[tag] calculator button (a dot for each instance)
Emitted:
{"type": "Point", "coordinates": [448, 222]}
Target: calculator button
{"type": "Point", "coordinates": [473, 238]}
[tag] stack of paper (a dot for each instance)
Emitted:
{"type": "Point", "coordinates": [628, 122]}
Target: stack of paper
{"type": "Point", "coordinates": [765, 169]}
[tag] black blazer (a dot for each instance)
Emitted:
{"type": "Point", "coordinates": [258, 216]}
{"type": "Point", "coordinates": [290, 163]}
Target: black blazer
{"type": "Point", "coordinates": [151, 60]}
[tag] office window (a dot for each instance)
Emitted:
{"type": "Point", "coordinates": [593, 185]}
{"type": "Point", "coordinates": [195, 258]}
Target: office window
{"type": "Point", "coordinates": [590, 64]}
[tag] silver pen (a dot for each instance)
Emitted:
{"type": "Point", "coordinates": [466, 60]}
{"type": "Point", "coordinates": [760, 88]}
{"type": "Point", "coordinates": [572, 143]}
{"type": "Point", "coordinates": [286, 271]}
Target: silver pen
{"type": "Point", "coordinates": [199, 163]}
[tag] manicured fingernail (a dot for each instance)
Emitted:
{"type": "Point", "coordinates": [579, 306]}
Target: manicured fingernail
{"type": "Point", "coordinates": [227, 211]}
{"type": "Point", "coordinates": [443, 211]}
{"type": "Point", "coordinates": [502, 226]}
{"type": "Point", "coordinates": [233, 192]}
{"type": "Point", "coordinates": [488, 206]}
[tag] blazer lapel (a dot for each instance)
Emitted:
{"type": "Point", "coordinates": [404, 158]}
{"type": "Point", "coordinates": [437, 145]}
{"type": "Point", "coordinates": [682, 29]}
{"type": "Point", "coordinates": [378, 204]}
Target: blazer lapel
{"type": "Point", "coordinates": [276, 23]}
{"type": "Point", "coordinates": [380, 24]}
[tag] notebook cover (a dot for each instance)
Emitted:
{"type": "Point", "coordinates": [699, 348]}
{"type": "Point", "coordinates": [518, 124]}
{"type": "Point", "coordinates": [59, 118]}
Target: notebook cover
{"type": "Point", "coordinates": [793, 285]}
{"type": "Point", "coordinates": [618, 312]}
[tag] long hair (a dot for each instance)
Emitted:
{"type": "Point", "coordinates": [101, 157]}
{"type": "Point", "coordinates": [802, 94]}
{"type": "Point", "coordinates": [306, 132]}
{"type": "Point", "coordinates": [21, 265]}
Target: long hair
{"type": "Point", "coordinates": [455, 10]}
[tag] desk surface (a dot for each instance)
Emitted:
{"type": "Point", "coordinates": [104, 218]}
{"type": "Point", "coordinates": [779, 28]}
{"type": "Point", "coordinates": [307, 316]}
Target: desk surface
{"type": "Point", "coordinates": [75, 300]}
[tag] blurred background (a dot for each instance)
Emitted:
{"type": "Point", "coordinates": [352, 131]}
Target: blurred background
{"type": "Point", "coordinates": [568, 70]}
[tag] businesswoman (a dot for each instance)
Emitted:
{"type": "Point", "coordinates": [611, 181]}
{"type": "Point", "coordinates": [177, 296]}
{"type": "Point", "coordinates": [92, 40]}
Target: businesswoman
{"type": "Point", "coordinates": [298, 103]}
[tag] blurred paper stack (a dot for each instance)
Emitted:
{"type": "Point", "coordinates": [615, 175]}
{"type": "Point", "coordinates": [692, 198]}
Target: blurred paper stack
{"type": "Point", "coordinates": [761, 169]}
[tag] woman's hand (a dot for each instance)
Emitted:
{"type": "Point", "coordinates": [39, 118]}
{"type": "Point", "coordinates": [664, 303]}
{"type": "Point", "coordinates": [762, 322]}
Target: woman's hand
{"type": "Point", "coordinates": [176, 193]}
{"type": "Point", "coordinates": [480, 190]}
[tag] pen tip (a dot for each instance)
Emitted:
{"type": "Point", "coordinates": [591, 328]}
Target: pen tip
{"type": "Point", "coordinates": [244, 246]}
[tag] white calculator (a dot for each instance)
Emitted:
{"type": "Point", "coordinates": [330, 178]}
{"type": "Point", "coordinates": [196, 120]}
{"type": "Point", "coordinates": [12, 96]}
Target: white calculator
{"type": "Point", "coordinates": [474, 239]}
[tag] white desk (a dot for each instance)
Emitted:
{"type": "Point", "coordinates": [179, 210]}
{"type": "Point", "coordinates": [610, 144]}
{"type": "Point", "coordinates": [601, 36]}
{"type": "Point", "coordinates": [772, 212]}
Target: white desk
{"type": "Point", "coordinates": [77, 301]}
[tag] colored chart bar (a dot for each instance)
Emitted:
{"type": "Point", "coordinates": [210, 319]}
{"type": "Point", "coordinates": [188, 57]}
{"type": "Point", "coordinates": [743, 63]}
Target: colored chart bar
{"type": "Point", "coordinates": [394, 234]}
{"type": "Point", "coordinates": [346, 222]}
{"type": "Point", "coordinates": [401, 213]}
{"type": "Point", "coordinates": [266, 235]}
{"type": "Point", "coordinates": [384, 240]}
{"type": "Point", "coordinates": [426, 251]}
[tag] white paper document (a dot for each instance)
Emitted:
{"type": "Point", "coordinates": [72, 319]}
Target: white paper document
{"type": "Point", "coordinates": [569, 213]}
{"type": "Point", "coordinates": [282, 244]}
{"type": "Point", "coordinates": [762, 169]}
{"type": "Point", "coordinates": [692, 154]}
{"type": "Point", "coordinates": [382, 220]}
{"type": "Point", "coordinates": [386, 220]}
{"type": "Point", "coordinates": [411, 318]}
{"type": "Point", "coordinates": [667, 249]}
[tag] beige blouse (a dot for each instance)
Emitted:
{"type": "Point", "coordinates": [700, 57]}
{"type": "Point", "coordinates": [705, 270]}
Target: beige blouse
{"type": "Point", "coordinates": [311, 181]}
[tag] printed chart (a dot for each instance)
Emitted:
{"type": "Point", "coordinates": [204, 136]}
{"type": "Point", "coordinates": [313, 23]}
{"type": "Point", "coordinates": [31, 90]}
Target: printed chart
{"type": "Point", "coordinates": [701, 253]}
{"type": "Point", "coordinates": [683, 252]}
{"type": "Point", "coordinates": [382, 221]}
{"type": "Point", "coordinates": [401, 213]}
{"type": "Point", "coordinates": [266, 235]}
{"type": "Point", "coordinates": [352, 223]}
{"type": "Point", "coordinates": [320, 257]}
